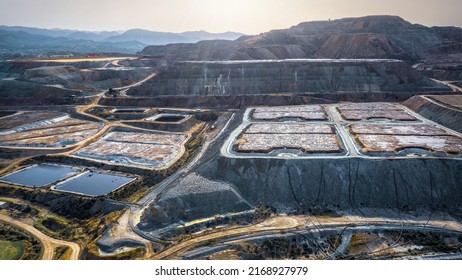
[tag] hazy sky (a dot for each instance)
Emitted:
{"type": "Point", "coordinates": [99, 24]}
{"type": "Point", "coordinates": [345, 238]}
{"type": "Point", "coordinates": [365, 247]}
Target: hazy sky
{"type": "Point", "coordinates": [247, 16]}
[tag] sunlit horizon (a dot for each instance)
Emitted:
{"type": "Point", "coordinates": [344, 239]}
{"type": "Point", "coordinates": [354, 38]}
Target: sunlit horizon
{"type": "Point", "coordinates": [249, 17]}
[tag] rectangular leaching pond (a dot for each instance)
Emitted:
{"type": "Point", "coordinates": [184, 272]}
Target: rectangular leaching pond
{"type": "Point", "coordinates": [40, 175]}
{"type": "Point", "coordinates": [93, 183]}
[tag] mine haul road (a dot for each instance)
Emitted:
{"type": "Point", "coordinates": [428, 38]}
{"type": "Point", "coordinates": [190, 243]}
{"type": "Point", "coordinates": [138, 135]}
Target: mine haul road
{"type": "Point", "coordinates": [151, 196]}
{"type": "Point", "coordinates": [286, 224]}
{"type": "Point", "coordinates": [449, 84]}
{"type": "Point", "coordinates": [48, 244]}
{"type": "Point", "coordinates": [81, 110]}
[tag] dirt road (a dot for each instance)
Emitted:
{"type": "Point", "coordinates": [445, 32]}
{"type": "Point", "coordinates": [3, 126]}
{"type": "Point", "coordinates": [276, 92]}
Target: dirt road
{"type": "Point", "coordinates": [272, 224]}
{"type": "Point", "coordinates": [449, 84]}
{"type": "Point", "coordinates": [281, 224]}
{"type": "Point", "coordinates": [48, 244]}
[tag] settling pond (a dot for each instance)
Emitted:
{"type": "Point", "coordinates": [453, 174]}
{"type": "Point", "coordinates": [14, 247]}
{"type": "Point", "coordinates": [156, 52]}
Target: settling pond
{"type": "Point", "coordinates": [40, 175]}
{"type": "Point", "coordinates": [93, 183]}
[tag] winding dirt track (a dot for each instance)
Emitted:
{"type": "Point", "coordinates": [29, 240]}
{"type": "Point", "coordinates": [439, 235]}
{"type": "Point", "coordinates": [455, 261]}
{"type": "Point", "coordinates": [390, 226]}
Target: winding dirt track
{"type": "Point", "coordinates": [280, 224]}
{"type": "Point", "coordinates": [49, 244]}
{"type": "Point", "coordinates": [272, 224]}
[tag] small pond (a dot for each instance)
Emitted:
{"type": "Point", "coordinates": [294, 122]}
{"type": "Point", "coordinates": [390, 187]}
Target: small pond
{"type": "Point", "coordinates": [40, 175]}
{"type": "Point", "coordinates": [93, 183]}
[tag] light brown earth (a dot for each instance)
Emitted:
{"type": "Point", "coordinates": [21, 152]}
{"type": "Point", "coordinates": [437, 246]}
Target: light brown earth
{"type": "Point", "coordinates": [122, 229]}
{"type": "Point", "coordinates": [48, 244]}
{"type": "Point", "coordinates": [272, 224]}
{"type": "Point", "coordinates": [280, 224]}
{"type": "Point", "coordinates": [451, 100]}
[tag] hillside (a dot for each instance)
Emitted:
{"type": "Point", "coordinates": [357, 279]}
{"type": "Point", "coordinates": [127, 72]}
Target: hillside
{"type": "Point", "coordinates": [365, 37]}
{"type": "Point", "coordinates": [248, 77]}
{"type": "Point", "coordinates": [38, 41]}
{"type": "Point", "coordinates": [161, 38]}
{"type": "Point", "coordinates": [21, 42]}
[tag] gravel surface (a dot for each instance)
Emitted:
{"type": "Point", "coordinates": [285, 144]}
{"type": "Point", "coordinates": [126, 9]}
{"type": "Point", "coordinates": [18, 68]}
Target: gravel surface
{"type": "Point", "coordinates": [193, 184]}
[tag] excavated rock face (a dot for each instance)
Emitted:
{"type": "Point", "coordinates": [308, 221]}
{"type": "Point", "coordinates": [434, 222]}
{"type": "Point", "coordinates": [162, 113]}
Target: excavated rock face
{"type": "Point", "coordinates": [438, 111]}
{"type": "Point", "coordinates": [306, 185]}
{"type": "Point", "coordinates": [71, 77]}
{"type": "Point", "coordinates": [213, 50]}
{"type": "Point", "coordinates": [343, 183]}
{"type": "Point", "coordinates": [365, 37]}
{"type": "Point", "coordinates": [24, 93]}
{"type": "Point", "coordinates": [276, 76]}
{"type": "Point", "coordinates": [193, 198]}
{"type": "Point", "coordinates": [445, 73]}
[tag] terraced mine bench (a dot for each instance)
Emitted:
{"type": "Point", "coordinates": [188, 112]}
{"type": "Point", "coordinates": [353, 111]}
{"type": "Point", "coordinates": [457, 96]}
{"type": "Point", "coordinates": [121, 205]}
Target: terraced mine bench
{"type": "Point", "coordinates": [44, 129]}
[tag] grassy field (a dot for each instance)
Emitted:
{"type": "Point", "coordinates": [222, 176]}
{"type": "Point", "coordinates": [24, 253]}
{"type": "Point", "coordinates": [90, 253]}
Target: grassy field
{"type": "Point", "coordinates": [61, 253]}
{"type": "Point", "coordinates": [11, 250]}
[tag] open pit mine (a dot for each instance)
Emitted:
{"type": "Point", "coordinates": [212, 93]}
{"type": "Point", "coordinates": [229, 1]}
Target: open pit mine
{"type": "Point", "coordinates": [327, 140]}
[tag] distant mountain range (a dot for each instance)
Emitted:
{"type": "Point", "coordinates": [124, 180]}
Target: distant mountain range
{"type": "Point", "coordinates": [364, 37]}
{"type": "Point", "coordinates": [163, 38]}
{"type": "Point", "coordinates": [29, 40]}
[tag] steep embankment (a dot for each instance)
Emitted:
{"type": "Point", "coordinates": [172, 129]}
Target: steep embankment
{"type": "Point", "coordinates": [94, 78]}
{"type": "Point", "coordinates": [436, 111]}
{"type": "Point", "coordinates": [312, 185]}
{"type": "Point", "coordinates": [244, 101]}
{"type": "Point", "coordinates": [13, 92]}
{"type": "Point", "coordinates": [195, 197]}
{"type": "Point", "coordinates": [448, 74]}
{"type": "Point", "coordinates": [19, 66]}
{"type": "Point", "coordinates": [343, 183]}
{"type": "Point", "coordinates": [283, 76]}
